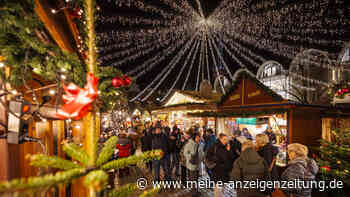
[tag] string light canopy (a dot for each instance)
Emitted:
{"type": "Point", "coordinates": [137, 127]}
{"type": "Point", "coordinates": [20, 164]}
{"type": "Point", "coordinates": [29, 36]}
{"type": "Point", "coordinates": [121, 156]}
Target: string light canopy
{"type": "Point", "coordinates": [159, 42]}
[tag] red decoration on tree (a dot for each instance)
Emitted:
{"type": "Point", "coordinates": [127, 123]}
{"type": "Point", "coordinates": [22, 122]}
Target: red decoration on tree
{"type": "Point", "coordinates": [78, 100]}
{"type": "Point", "coordinates": [326, 168]}
{"type": "Point", "coordinates": [126, 80]}
{"type": "Point", "coordinates": [117, 82]}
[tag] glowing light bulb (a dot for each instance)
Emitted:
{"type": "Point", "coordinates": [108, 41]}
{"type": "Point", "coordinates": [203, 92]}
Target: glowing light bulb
{"type": "Point", "coordinates": [14, 92]}
{"type": "Point", "coordinates": [52, 92]}
{"type": "Point", "coordinates": [2, 64]}
{"type": "Point", "coordinates": [53, 11]}
{"type": "Point", "coordinates": [63, 77]}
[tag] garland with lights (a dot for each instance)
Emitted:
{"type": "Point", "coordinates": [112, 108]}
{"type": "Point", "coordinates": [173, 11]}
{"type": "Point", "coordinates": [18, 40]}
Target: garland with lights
{"type": "Point", "coordinates": [22, 32]}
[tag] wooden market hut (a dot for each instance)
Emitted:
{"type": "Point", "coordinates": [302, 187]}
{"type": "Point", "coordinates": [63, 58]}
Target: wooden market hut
{"type": "Point", "coordinates": [248, 97]}
{"type": "Point", "coordinates": [187, 101]}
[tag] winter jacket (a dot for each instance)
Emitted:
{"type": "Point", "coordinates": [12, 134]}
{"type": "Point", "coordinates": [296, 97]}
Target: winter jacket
{"type": "Point", "coordinates": [303, 169]}
{"type": "Point", "coordinates": [250, 167]}
{"type": "Point", "coordinates": [146, 142]}
{"type": "Point", "coordinates": [180, 145]}
{"type": "Point", "coordinates": [236, 148]}
{"type": "Point", "coordinates": [124, 146]}
{"type": "Point", "coordinates": [209, 142]}
{"type": "Point", "coordinates": [224, 162]}
{"type": "Point", "coordinates": [160, 141]}
{"type": "Point", "coordinates": [269, 152]}
{"type": "Point", "coordinates": [172, 142]}
{"type": "Point", "coordinates": [191, 148]}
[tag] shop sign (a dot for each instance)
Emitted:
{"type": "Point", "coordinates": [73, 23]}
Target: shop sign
{"type": "Point", "coordinates": [235, 97]}
{"type": "Point", "coordinates": [247, 121]}
{"type": "Point", "coordinates": [256, 93]}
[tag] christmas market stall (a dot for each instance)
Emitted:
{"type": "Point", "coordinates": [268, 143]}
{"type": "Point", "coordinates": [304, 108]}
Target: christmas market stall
{"type": "Point", "coordinates": [175, 109]}
{"type": "Point", "coordinates": [252, 107]}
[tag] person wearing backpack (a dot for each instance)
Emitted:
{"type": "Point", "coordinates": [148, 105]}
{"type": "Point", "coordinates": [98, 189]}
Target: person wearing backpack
{"type": "Point", "coordinates": [191, 153]}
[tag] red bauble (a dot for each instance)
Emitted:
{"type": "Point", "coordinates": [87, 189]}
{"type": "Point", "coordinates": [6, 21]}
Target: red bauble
{"type": "Point", "coordinates": [327, 168]}
{"type": "Point", "coordinates": [117, 82]}
{"type": "Point", "coordinates": [126, 80]}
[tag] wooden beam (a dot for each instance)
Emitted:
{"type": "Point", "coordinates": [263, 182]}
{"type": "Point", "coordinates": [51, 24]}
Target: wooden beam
{"type": "Point", "coordinates": [52, 25]}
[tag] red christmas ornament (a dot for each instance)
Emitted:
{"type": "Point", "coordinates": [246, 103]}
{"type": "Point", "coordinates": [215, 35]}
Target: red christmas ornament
{"type": "Point", "coordinates": [326, 168]}
{"type": "Point", "coordinates": [78, 100]}
{"type": "Point", "coordinates": [117, 82]}
{"type": "Point", "coordinates": [126, 80]}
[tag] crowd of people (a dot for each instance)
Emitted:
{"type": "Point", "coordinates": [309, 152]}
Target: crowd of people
{"type": "Point", "coordinates": [186, 154]}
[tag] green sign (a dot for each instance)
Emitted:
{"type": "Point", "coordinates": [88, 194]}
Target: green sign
{"type": "Point", "coordinates": [249, 121]}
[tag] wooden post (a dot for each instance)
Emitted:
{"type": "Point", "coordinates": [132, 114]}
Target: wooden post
{"type": "Point", "coordinates": [90, 120]}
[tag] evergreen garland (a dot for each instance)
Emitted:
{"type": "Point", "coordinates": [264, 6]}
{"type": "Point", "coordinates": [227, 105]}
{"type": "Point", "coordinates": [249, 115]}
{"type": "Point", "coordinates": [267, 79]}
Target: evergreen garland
{"type": "Point", "coordinates": [22, 32]}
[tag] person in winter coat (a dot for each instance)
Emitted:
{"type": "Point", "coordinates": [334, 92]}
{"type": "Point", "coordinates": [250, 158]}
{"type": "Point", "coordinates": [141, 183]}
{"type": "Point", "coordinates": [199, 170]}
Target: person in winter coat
{"type": "Point", "coordinates": [269, 152]}
{"type": "Point", "coordinates": [210, 139]}
{"type": "Point", "coordinates": [146, 145]}
{"type": "Point", "coordinates": [159, 141]}
{"type": "Point", "coordinates": [299, 167]}
{"type": "Point", "coordinates": [191, 153]}
{"type": "Point", "coordinates": [249, 167]}
{"type": "Point", "coordinates": [224, 161]}
{"type": "Point", "coordinates": [173, 151]}
{"type": "Point", "coordinates": [125, 149]}
{"type": "Point", "coordinates": [182, 160]}
{"type": "Point", "coordinates": [236, 143]}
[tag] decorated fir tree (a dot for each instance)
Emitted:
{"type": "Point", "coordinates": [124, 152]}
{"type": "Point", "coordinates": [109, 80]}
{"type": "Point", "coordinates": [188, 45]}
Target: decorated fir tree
{"type": "Point", "coordinates": [334, 160]}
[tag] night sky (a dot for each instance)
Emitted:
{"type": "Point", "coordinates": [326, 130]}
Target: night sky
{"type": "Point", "coordinates": [108, 9]}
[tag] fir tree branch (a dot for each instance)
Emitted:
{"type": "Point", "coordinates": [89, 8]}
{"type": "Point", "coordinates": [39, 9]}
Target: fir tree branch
{"type": "Point", "coordinates": [97, 179]}
{"type": "Point", "coordinates": [41, 182]}
{"type": "Point", "coordinates": [76, 153]}
{"type": "Point", "coordinates": [135, 159]}
{"type": "Point", "coordinates": [107, 151]}
{"type": "Point", "coordinates": [40, 160]}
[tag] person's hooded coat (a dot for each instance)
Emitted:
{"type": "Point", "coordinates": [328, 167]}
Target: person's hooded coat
{"type": "Point", "coordinates": [301, 168]}
{"type": "Point", "coordinates": [250, 167]}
